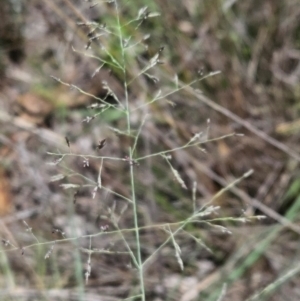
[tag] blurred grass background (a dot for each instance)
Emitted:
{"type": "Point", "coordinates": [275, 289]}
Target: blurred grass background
{"type": "Point", "coordinates": [255, 45]}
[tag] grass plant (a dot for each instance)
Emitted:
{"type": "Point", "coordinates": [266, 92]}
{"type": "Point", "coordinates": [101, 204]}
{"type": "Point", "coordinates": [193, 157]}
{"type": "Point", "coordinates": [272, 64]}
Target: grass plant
{"type": "Point", "coordinates": [122, 47]}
